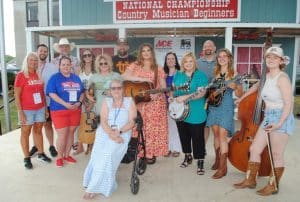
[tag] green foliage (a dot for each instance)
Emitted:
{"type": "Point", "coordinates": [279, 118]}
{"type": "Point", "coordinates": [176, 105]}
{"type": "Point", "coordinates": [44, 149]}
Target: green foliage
{"type": "Point", "coordinates": [8, 58]}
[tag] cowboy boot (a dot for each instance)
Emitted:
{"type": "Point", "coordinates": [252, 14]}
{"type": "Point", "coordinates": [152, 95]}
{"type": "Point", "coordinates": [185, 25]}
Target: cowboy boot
{"type": "Point", "coordinates": [222, 170]}
{"type": "Point", "coordinates": [250, 180]}
{"type": "Point", "coordinates": [270, 187]}
{"type": "Point", "coordinates": [217, 159]}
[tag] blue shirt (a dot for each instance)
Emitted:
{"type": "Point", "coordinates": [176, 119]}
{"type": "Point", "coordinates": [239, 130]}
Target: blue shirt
{"type": "Point", "coordinates": [63, 87]}
{"type": "Point", "coordinates": [197, 112]}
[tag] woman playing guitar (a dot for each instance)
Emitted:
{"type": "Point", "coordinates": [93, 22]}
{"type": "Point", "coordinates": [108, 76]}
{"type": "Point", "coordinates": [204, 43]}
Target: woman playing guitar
{"type": "Point", "coordinates": [220, 118]}
{"type": "Point", "coordinates": [278, 121]}
{"type": "Point", "coordinates": [191, 129]}
{"type": "Point", "coordinates": [154, 113]}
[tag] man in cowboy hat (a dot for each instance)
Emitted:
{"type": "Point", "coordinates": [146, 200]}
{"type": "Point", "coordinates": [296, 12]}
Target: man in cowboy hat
{"type": "Point", "coordinates": [64, 48]}
{"type": "Point", "coordinates": [122, 60]}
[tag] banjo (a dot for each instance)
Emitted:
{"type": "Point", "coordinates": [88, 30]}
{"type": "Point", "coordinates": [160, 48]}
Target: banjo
{"type": "Point", "coordinates": [180, 110]}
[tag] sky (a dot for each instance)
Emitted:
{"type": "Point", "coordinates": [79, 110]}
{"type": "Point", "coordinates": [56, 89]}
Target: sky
{"type": "Point", "coordinates": [9, 27]}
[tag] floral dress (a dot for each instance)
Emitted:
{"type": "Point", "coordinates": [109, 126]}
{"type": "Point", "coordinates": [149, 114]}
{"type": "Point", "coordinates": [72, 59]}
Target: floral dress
{"type": "Point", "coordinates": [154, 114]}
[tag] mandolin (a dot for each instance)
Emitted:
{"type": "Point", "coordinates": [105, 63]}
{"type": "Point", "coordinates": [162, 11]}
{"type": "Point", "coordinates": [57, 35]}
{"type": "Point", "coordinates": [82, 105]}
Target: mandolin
{"type": "Point", "coordinates": [140, 91]}
{"type": "Point", "coordinates": [217, 91]}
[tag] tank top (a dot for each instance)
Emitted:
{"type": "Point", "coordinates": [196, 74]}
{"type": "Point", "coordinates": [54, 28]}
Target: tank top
{"type": "Point", "coordinates": [271, 94]}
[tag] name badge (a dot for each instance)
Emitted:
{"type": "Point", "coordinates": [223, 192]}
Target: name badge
{"type": "Point", "coordinates": [114, 127]}
{"type": "Point", "coordinates": [72, 96]}
{"type": "Point", "coordinates": [37, 98]}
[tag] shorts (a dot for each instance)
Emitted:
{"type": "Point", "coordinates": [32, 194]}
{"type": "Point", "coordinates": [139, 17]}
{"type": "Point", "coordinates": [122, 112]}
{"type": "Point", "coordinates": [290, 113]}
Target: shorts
{"type": "Point", "coordinates": [34, 116]}
{"type": "Point", "coordinates": [272, 116]}
{"type": "Point", "coordinates": [65, 118]}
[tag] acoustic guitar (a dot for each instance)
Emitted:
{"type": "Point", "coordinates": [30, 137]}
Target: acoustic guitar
{"type": "Point", "coordinates": [87, 127]}
{"type": "Point", "coordinates": [140, 91]}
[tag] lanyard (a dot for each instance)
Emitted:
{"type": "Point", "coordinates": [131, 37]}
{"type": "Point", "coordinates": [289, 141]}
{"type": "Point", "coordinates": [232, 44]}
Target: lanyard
{"type": "Point", "coordinates": [117, 112]}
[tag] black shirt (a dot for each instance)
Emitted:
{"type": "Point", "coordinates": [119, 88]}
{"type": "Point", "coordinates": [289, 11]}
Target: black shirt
{"type": "Point", "coordinates": [120, 64]}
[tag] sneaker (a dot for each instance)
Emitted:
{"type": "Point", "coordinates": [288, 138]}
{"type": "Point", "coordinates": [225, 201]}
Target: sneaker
{"type": "Point", "coordinates": [70, 159]}
{"type": "Point", "coordinates": [43, 158]}
{"type": "Point", "coordinates": [33, 151]}
{"type": "Point", "coordinates": [59, 162]}
{"type": "Point", "coordinates": [27, 163]}
{"type": "Point", "coordinates": [52, 151]}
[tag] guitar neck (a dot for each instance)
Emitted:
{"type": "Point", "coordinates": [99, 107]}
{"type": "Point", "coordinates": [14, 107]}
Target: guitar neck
{"type": "Point", "coordinates": [161, 90]}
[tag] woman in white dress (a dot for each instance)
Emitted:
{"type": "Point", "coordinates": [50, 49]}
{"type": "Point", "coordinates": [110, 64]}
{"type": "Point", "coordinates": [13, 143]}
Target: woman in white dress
{"type": "Point", "coordinates": [112, 137]}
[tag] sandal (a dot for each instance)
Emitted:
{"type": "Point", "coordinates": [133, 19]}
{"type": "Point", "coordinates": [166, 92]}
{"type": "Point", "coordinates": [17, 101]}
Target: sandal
{"type": "Point", "coordinates": [88, 196]}
{"type": "Point", "coordinates": [168, 155]}
{"type": "Point", "coordinates": [188, 159]}
{"type": "Point", "coordinates": [151, 160]}
{"type": "Point", "coordinates": [175, 154]}
{"type": "Point", "coordinates": [200, 168]}
{"type": "Point", "coordinates": [75, 146]}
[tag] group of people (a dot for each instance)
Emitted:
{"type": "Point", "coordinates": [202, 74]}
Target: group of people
{"type": "Point", "coordinates": [64, 85]}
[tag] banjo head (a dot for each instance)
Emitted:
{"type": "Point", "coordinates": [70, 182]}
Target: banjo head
{"type": "Point", "coordinates": [178, 111]}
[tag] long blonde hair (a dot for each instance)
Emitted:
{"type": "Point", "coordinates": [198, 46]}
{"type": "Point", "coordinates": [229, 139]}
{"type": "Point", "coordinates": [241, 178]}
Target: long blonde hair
{"type": "Point", "coordinates": [217, 70]}
{"type": "Point", "coordinates": [25, 63]}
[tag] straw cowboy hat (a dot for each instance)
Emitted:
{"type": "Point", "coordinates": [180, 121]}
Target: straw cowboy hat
{"type": "Point", "coordinates": [63, 41]}
{"type": "Point", "coordinates": [278, 52]}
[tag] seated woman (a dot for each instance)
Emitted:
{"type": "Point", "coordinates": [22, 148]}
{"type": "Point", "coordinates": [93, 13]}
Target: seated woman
{"type": "Point", "coordinates": [112, 137]}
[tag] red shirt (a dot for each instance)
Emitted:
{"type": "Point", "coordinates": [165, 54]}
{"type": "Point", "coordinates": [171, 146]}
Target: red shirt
{"type": "Point", "coordinates": [29, 87]}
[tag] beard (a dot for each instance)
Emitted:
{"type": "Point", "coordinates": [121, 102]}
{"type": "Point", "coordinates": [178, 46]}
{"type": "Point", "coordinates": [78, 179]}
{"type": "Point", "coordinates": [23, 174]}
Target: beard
{"type": "Point", "coordinates": [122, 53]}
{"type": "Point", "coordinates": [42, 57]}
{"type": "Point", "coordinates": [208, 52]}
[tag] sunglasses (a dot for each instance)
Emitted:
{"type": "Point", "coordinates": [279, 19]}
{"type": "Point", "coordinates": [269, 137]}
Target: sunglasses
{"type": "Point", "coordinates": [103, 63]}
{"type": "Point", "coordinates": [86, 55]}
{"type": "Point", "coordinates": [116, 88]}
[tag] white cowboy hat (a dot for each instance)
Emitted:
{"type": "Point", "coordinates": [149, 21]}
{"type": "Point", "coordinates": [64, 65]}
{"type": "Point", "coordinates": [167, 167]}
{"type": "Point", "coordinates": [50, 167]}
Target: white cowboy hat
{"type": "Point", "coordinates": [63, 41]}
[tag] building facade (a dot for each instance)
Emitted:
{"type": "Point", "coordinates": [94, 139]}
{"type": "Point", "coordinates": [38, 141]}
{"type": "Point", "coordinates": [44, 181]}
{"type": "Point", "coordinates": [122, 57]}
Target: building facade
{"type": "Point", "coordinates": [177, 25]}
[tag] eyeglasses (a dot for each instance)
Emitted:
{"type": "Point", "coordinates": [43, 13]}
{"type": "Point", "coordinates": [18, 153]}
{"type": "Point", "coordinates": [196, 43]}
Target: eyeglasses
{"type": "Point", "coordinates": [86, 55]}
{"type": "Point", "coordinates": [103, 63]}
{"type": "Point", "coordinates": [116, 88]}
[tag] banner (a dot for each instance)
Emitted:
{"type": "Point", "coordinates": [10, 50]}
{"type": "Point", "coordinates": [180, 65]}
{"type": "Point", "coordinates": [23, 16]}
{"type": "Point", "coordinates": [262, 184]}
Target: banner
{"type": "Point", "coordinates": [149, 11]}
{"type": "Point", "coordinates": [178, 45]}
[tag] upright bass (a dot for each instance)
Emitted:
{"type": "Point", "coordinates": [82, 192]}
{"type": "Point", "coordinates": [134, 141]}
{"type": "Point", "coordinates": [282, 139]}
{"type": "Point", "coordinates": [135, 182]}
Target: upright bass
{"type": "Point", "coordinates": [251, 115]}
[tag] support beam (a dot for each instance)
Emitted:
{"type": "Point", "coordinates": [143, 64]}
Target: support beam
{"type": "Point", "coordinates": [29, 41]}
{"type": "Point", "coordinates": [228, 38]}
{"type": "Point", "coordinates": [3, 71]}
{"type": "Point", "coordinates": [122, 33]}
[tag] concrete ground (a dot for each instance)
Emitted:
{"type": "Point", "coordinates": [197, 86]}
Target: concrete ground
{"type": "Point", "coordinates": [164, 181]}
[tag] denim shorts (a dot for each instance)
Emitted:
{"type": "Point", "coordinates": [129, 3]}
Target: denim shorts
{"type": "Point", "coordinates": [272, 116]}
{"type": "Point", "coordinates": [34, 116]}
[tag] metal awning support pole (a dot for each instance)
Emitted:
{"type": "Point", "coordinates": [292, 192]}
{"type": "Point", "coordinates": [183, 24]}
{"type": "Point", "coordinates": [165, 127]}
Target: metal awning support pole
{"type": "Point", "coordinates": [3, 71]}
{"type": "Point", "coordinates": [29, 41]}
{"type": "Point", "coordinates": [122, 33]}
{"type": "Point", "coordinates": [228, 38]}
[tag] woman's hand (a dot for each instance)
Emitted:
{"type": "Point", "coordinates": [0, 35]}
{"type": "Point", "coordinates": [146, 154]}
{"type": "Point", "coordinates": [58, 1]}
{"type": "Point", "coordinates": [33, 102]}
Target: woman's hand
{"type": "Point", "coordinates": [170, 99]}
{"type": "Point", "coordinates": [154, 96]}
{"type": "Point", "coordinates": [46, 113]}
{"type": "Point", "coordinates": [145, 80]}
{"type": "Point", "coordinates": [271, 127]}
{"type": "Point", "coordinates": [233, 86]}
{"type": "Point", "coordinates": [70, 106]}
{"type": "Point", "coordinates": [22, 117]}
